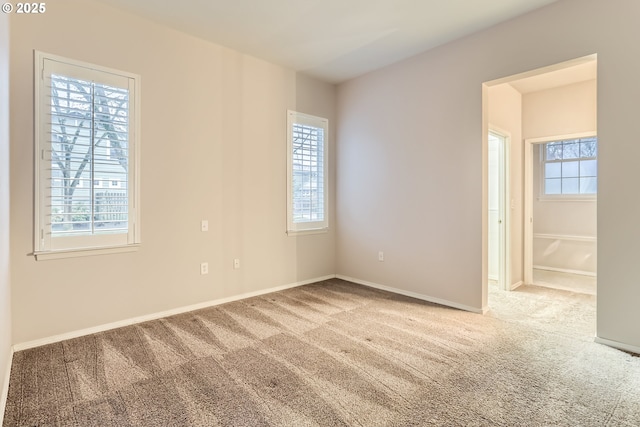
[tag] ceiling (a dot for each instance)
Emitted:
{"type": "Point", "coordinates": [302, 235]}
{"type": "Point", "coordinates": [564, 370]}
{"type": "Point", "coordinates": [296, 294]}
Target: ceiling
{"type": "Point", "coordinates": [334, 40]}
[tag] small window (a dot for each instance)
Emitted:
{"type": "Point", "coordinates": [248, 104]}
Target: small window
{"type": "Point", "coordinates": [86, 133]}
{"type": "Point", "coordinates": [570, 167]}
{"type": "Point", "coordinates": [307, 196]}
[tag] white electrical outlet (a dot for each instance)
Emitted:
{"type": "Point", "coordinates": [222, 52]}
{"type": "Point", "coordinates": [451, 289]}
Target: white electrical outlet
{"type": "Point", "coordinates": [236, 264]}
{"type": "Point", "coordinates": [204, 225]}
{"type": "Point", "coordinates": [204, 268]}
{"type": "Point", "coordinates": [380, 256]}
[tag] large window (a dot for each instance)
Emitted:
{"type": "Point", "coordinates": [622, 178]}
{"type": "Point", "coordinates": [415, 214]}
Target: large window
{"type": "Point", "coordinates": [307, 197]}
{"type": "Point", "coordinates": [86, 139]}
{"type": "Point", "coordinates": [569, 167]}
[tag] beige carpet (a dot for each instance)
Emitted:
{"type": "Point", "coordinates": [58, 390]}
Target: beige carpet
{"type": "Point", "coordinates": [337, 354]}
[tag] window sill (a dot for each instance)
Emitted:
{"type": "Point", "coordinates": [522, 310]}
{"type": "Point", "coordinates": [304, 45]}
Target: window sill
{"type": "Point", "coordinates": [75, 253]}
{"type": "Point", "coordinates": [305, 232]}
{"type": "Point", "coordinates": [568, 198]}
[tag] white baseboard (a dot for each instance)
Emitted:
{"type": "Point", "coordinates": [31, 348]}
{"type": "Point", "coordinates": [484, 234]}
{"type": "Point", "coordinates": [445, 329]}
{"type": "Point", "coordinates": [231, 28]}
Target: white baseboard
{"type": "Point", "coordinates": [516, 285]}
{"type": "Point", "coordinates": [565, 270]}
{"type": "Point", "coordinates": [4, 392]}
{"type": "Point", "coordinates": [159, 315]}
{"type": "Point", "coordinates": [618, 345]}
{"type": "Point", "coordinates": [412, 294]}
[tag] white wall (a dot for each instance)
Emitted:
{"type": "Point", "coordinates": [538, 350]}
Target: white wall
{"type": "Point", "coordinates": [505, 114]}
{"type": "Point", "coordinates": [213, 147]}
{"type": "Point", "coordinates": [5, 288]}
{"type": "Point", "coordinates": [410, 175]}
{"type": "Point", "coordinates": [565, 110]}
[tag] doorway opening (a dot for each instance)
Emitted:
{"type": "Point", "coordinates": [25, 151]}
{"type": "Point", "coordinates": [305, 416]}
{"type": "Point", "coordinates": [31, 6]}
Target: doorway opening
{"type": "Point", "coordinates": [560, 212]}
{"type": "Point", "coordinates": [551, 104]}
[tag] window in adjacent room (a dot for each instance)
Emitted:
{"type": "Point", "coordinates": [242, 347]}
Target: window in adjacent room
{"type": "Point", "coordinates": [307, 195]}
{"type": "Point", "coordinates": [570, 167]}
{"type": "Point", "coordinates": [86, 133]}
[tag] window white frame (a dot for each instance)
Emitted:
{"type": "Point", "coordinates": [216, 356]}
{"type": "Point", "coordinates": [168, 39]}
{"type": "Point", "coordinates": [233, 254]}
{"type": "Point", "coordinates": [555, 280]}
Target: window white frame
{"type": "Point", "coordinates": [295, 225]}
{"type": "Point", "coordinates": [46, 246]}
{"type": "Point", "coordinates": [540, 143]}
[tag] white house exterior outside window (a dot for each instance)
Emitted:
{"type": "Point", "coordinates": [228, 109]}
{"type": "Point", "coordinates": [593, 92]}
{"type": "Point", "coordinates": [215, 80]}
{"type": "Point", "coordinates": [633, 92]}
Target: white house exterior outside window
{"type": "Point", "coordinates": [307, 166]}
{"type": "Point", "coordinates": [86, 140]}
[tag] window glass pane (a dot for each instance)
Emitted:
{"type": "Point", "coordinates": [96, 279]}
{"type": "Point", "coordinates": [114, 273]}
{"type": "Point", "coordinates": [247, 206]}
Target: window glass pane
{"type": "Point", "coordinates": [308, 173]}
{"type": "Point", "coordinates": [86, 118]}
{"type": "Point", "coordinates": [570, 186]}
{"type": "Point", "coordinates": [564, 172]}
{"type": "Point", "coordinates": [306, 176]}
{"type": "Point", "coordinates": [111, 154]}
{"type": "Point", "coordinates": [110, 211]}
{"type": "Point", "coordinates": [570, 169]}
{"type": "Point", "coordinates": [553, 170]}
{"type": "Point", "coordinates": [70, 145]}
{"type": "Point", "coordinates": [589, 168]}
{"type": "Point", "coordinates": [553, 151]}
{"type": "Point", "coordinates": [571, 150]}
{"type": "Point", "coordinates": [588, 185]}
{"type": "Point", "coordinates": [552, 186]}
{"type": "Point", "coordinates": [588, 147]}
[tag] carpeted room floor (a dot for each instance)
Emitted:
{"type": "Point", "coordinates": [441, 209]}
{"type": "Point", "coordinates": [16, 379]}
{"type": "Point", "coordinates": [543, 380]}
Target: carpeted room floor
{"type": "Point", "coordinates": [336, 353]}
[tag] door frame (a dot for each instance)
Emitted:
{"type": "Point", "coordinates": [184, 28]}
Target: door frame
{"type": "Point", "coordinates": [528, 195]}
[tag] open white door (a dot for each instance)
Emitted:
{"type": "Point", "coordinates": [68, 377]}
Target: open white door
{"type": "Point", "coordinates": [498, 231]}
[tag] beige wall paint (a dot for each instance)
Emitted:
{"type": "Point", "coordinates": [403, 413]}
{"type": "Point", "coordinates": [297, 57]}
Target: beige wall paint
{"type": "Point", "coordinates": [410, 158]}
{"type": "Point", "coordinates": [213, 147]}
{"type": "Point", "coordinates": [5, 288]}
{"type": "Point", "coordinates": [505, 114]}
{"type": "Point", "coordinates": [565, 110]}
{"type": "Point", "coordinates": [560, 111]}
{"type": "Point", "coordinates": [315, 252]}
{"type": "Point", "coordinates": [408, 182]}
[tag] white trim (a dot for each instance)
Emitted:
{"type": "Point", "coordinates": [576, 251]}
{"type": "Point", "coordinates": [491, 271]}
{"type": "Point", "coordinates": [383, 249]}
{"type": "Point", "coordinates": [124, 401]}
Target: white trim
{"type": "Point", "coordinates": [567, 198]}
{"type": "Point", "coordinates": [566, 270]}
{"type": "Point", "coordinates": [161, 314]}
{"type": "Point", "coordinates": [570, 197]}
{"type": "Point", "coordinates": [617, 345]}
{"type": "Point", "coordinates": [592, 239]}
{"type": "Point", "coordinates": [543, 70]}
{"type": "Point", "coordinates": [413, 294]}
{"type": "Point", "coordinates": [305, 232]}
{"type": "Point", "coordinates": [552, 138]}
{"type": "Point", "coordinates": [528, 193]}
{"type": "Point", "coordinates": [73, 253]}
{"type": "Point", "coordinates": [516, 285]}
{"type": "Point", "coordinates": [4, 393]}
{"type": "Point", "coordinates": [293, 118]}
{"type": "Point", "coordinates": [43, 64]}
{"type": "Point", "coordinates": [528, 212]}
